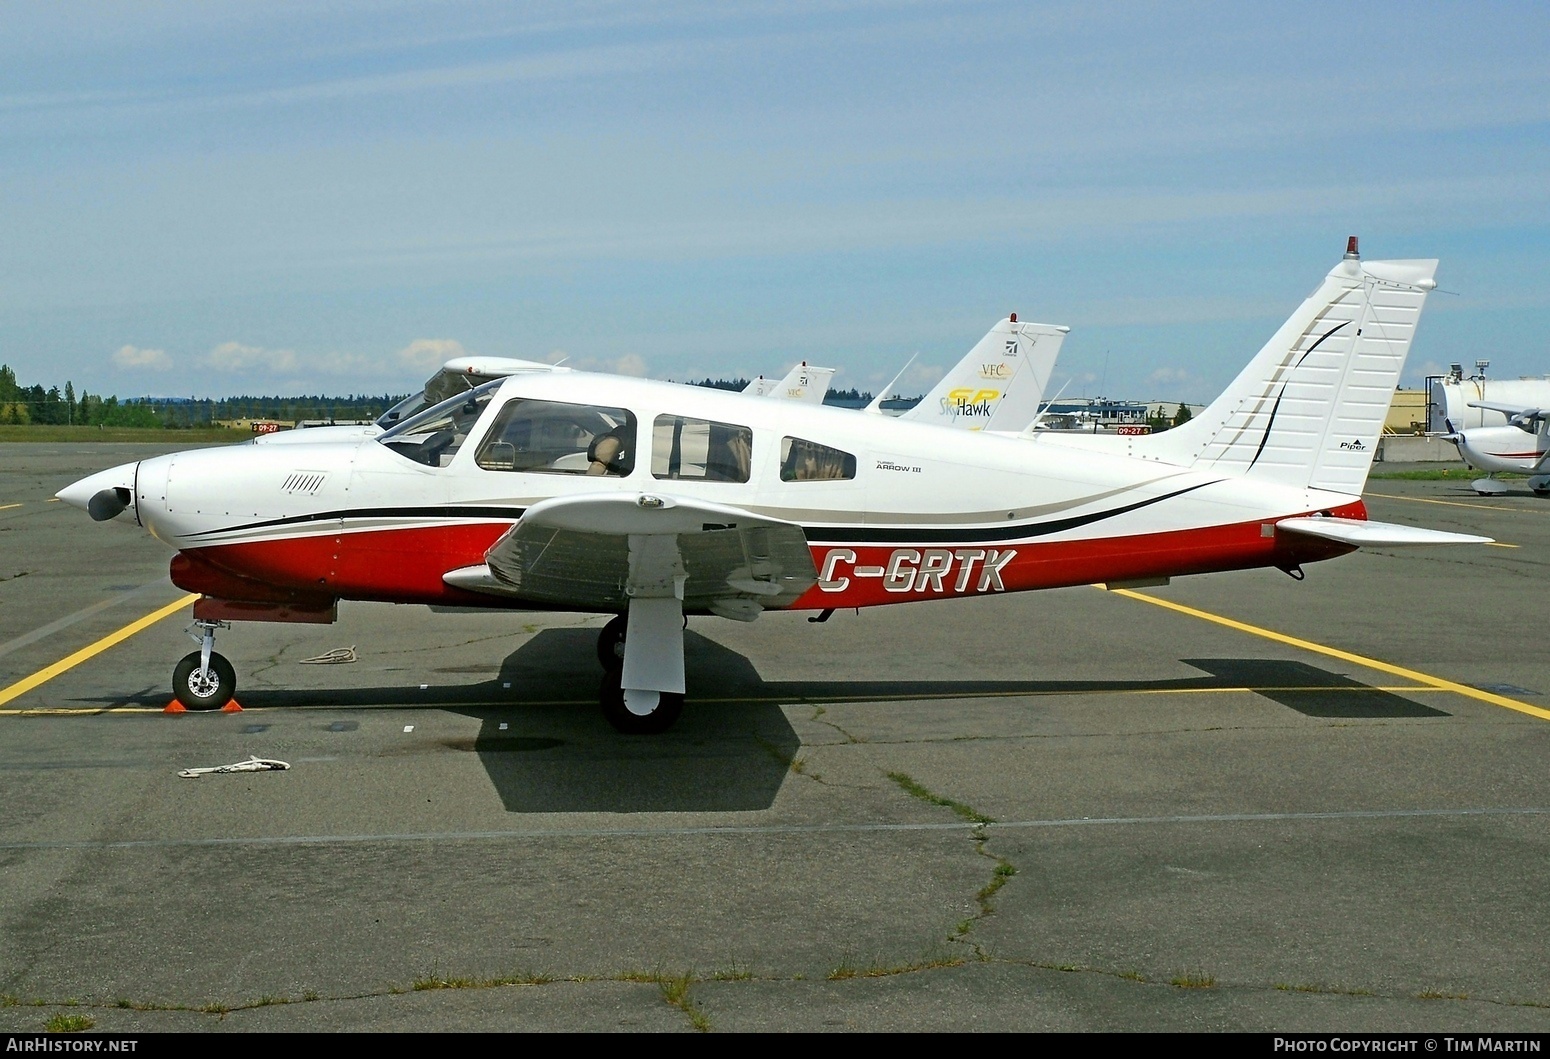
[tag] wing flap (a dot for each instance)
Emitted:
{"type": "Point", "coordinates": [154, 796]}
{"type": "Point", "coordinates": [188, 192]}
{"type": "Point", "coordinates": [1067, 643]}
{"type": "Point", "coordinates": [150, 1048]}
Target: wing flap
{"type": "Point", "coordinates": [1362, 533]}
{"type": "Point", "coordinates": [597, 552]}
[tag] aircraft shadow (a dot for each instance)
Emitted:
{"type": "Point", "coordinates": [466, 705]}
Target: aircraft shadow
{"type": "Point", "coordinates": [547, 748]}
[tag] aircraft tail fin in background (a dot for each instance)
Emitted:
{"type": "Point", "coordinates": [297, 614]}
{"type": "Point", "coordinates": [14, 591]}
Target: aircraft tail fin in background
{"type": "Point", "coordinates": [1308, 410]}
{"type": "Point", "coordinates": [999, 385]}
{"type": "Point", "coordinates": [802, 383]}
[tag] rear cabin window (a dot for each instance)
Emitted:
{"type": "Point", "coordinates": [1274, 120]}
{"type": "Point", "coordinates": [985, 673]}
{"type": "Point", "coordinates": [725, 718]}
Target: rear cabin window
{"type": "Point", "coordinates": [548, 437]}
{"type": "Point", "coordinates": [808, 461]}
{"type": "Point", "coordinates": [700, 449]}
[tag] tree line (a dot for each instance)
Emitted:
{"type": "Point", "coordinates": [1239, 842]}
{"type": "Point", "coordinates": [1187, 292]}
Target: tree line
{"type": "Point", "coordinates": [23, 405]}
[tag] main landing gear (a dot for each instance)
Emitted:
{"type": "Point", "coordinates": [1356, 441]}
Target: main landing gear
{"type": "Point", "coordinates": [204, 680]}
{"type": "Point", "coordinates": [643, 667]}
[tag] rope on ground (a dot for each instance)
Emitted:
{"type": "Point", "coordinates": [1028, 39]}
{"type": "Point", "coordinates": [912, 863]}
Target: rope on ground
{"type": "Point", "coordinates": [252, 764]}
{"type": "Point", "coordinates": [334, 657]}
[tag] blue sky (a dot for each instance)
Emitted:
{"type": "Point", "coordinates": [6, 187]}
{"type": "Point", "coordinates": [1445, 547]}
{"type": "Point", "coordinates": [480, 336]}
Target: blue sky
{"type": "Point", "coordinates": [222, 198]}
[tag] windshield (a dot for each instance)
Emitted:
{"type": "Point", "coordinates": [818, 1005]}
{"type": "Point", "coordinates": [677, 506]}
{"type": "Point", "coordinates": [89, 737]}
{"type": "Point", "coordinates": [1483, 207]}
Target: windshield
{"type": "Point", "coordinates": [433, 436]}
{"type": "Point", "coordinates": [402, 410]}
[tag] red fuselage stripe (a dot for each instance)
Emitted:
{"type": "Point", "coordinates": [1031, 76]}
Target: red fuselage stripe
{"type": "Point", "coordinates": [405, 565]}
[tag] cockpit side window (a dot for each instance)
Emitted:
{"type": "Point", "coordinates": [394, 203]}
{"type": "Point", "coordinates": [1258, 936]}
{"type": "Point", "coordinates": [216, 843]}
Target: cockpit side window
{"type": "Point", "coordinates": [433, 437]}
{"type": "Point", "coordinates": [808, 461]}
{"type": "Point", "coordinates": [700, 449]}
{"type": "Point", "coordinates": [550, 437]}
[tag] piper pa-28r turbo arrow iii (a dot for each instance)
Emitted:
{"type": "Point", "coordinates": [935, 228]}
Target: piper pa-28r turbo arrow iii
{"type": "Point", "coordinates": [653, 501]}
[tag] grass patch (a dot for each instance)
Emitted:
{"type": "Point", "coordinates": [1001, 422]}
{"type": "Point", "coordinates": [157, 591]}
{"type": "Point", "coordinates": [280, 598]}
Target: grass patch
{"type": "Point", "coordinates": [436, 981]}
{"type": "Point", "coordinates": [1444, 474]}
{"type": "Point", "coordinates": [675, 990]}
{"type": "Point", "coordinates": [736, 974]}
{"type": "Point", "coordinates": [153, 435]}
{"type": "Point", "coordinates": [848, 970]}
{"type": "Point", "coordinates": [1193, 980]}
{"type": "Point", "coordinates": [69, 1024]}
{"type": "Point", "coordinates": [908, 785]}
{"type": "Point", "coordinates": [998, 878]}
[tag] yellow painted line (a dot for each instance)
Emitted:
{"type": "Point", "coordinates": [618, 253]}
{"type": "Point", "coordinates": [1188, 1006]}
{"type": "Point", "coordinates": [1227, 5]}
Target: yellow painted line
{"type": "Point", "coordinates": [1452, 503]}
{"type": "Point", "coordinates": [1346, 656]}
{"type": "Point", "coordinates": [26, 684]}
{"type": "Point", "coordinates": [7, 507]}
{"type": "Point", "coordinates": [1499, 544]}
{"type": "Point", "coordinates": [53, 500]}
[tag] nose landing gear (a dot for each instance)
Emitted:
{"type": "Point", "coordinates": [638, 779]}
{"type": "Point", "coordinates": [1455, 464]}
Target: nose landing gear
{"type": "Point", "coordinates": [204, 680]}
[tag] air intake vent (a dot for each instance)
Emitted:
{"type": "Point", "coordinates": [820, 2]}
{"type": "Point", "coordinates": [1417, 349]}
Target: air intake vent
{"type": "Point", "coordinates": [304, 482]}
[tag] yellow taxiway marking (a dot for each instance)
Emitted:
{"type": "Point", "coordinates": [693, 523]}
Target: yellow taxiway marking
{"type": "Point", "coordinates": [1499, 544]}
{"type": "Point", "coordinates": [26, 684]}
{"type": "Point", "coordinates": [7, 507]}
{"type": "Point", "coordinates": [1452, 503]}
{"type": "Point", "coordinates": [1346, 656]}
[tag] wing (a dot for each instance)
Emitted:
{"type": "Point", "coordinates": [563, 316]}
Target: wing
{"type": "Point", "coordinates": [1362, 533]}
{"type": "Point", "coordinates": [597, 552]}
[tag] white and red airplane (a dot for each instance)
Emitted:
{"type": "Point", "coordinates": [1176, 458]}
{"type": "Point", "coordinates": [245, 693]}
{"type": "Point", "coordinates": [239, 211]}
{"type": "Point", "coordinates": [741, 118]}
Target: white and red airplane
{"type": "Point", "coordinates": [1522, 447]}
{"type": "Point", "coordinates": [654, 501]}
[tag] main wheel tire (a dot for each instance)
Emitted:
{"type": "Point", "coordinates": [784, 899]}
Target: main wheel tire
{"type": "Point", "coordinates": [204, 691]}
{"type": "Point", "coordinates": [669, 707]}
{"type": "Point", "coordinates": [610, 643]}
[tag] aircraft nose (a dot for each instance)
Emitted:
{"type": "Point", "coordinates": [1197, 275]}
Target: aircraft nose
{"type": "Point", "coordinates": [103, 495]}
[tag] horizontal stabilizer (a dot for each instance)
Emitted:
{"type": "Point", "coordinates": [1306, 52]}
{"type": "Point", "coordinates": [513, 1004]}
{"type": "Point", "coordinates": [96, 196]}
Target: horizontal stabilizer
{"type": "Point", "coordinates": [1364, 534]}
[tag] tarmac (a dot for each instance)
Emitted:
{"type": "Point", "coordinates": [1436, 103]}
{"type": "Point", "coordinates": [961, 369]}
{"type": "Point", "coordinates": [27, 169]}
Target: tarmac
{"type": "Point", "coordinates": [1234, 803]}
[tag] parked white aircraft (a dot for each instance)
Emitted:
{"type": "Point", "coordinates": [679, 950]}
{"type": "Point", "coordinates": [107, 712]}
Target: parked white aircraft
{"type": "Point", "coordinates": [802, 383]}
{"type": "Point", "coordinates": [998, 386]}
{"type": "Point", "coordinates": [652, 501]}
{"type": "Point", "coordinates": [1523, 447]}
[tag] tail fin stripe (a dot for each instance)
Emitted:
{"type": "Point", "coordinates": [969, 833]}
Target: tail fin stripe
{"type": "Point", "coordinates": [1284, 380]}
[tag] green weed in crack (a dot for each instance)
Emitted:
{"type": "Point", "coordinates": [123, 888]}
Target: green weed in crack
{"type": "Point", "coordinates": [999, 876]}
{"type": "Point", "coordinates": [908, 785]}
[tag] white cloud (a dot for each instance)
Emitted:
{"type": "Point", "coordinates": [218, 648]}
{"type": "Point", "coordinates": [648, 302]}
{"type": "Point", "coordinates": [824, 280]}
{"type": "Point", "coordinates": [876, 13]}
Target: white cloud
{"type": "Point", "coordinates": [234, 356]}
{"type": "Point", "coordinates": [146, 359]}
{"type": "Point", "coordinates": [428, 354]}
{"type": "Point", "coordinates": [628, 364]}
{"type": "Point", "coordinates": [1168, 374]}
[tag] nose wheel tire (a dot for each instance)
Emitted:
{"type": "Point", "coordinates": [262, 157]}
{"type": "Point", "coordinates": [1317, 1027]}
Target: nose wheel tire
{"type": "Point", "coordinates": [668, 709]}
{"type": "Point", "coordinates": [610, 643]}
{"type": "Point", "coordinates": [209, 690]}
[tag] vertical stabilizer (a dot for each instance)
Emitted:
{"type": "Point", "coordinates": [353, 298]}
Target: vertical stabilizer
{"type": "Point", "coordinates": [999, 385]}
{"type": "Point", "coordinates": [1308, 410]}
{"type": "Point", "coordinates": [802, 383]}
